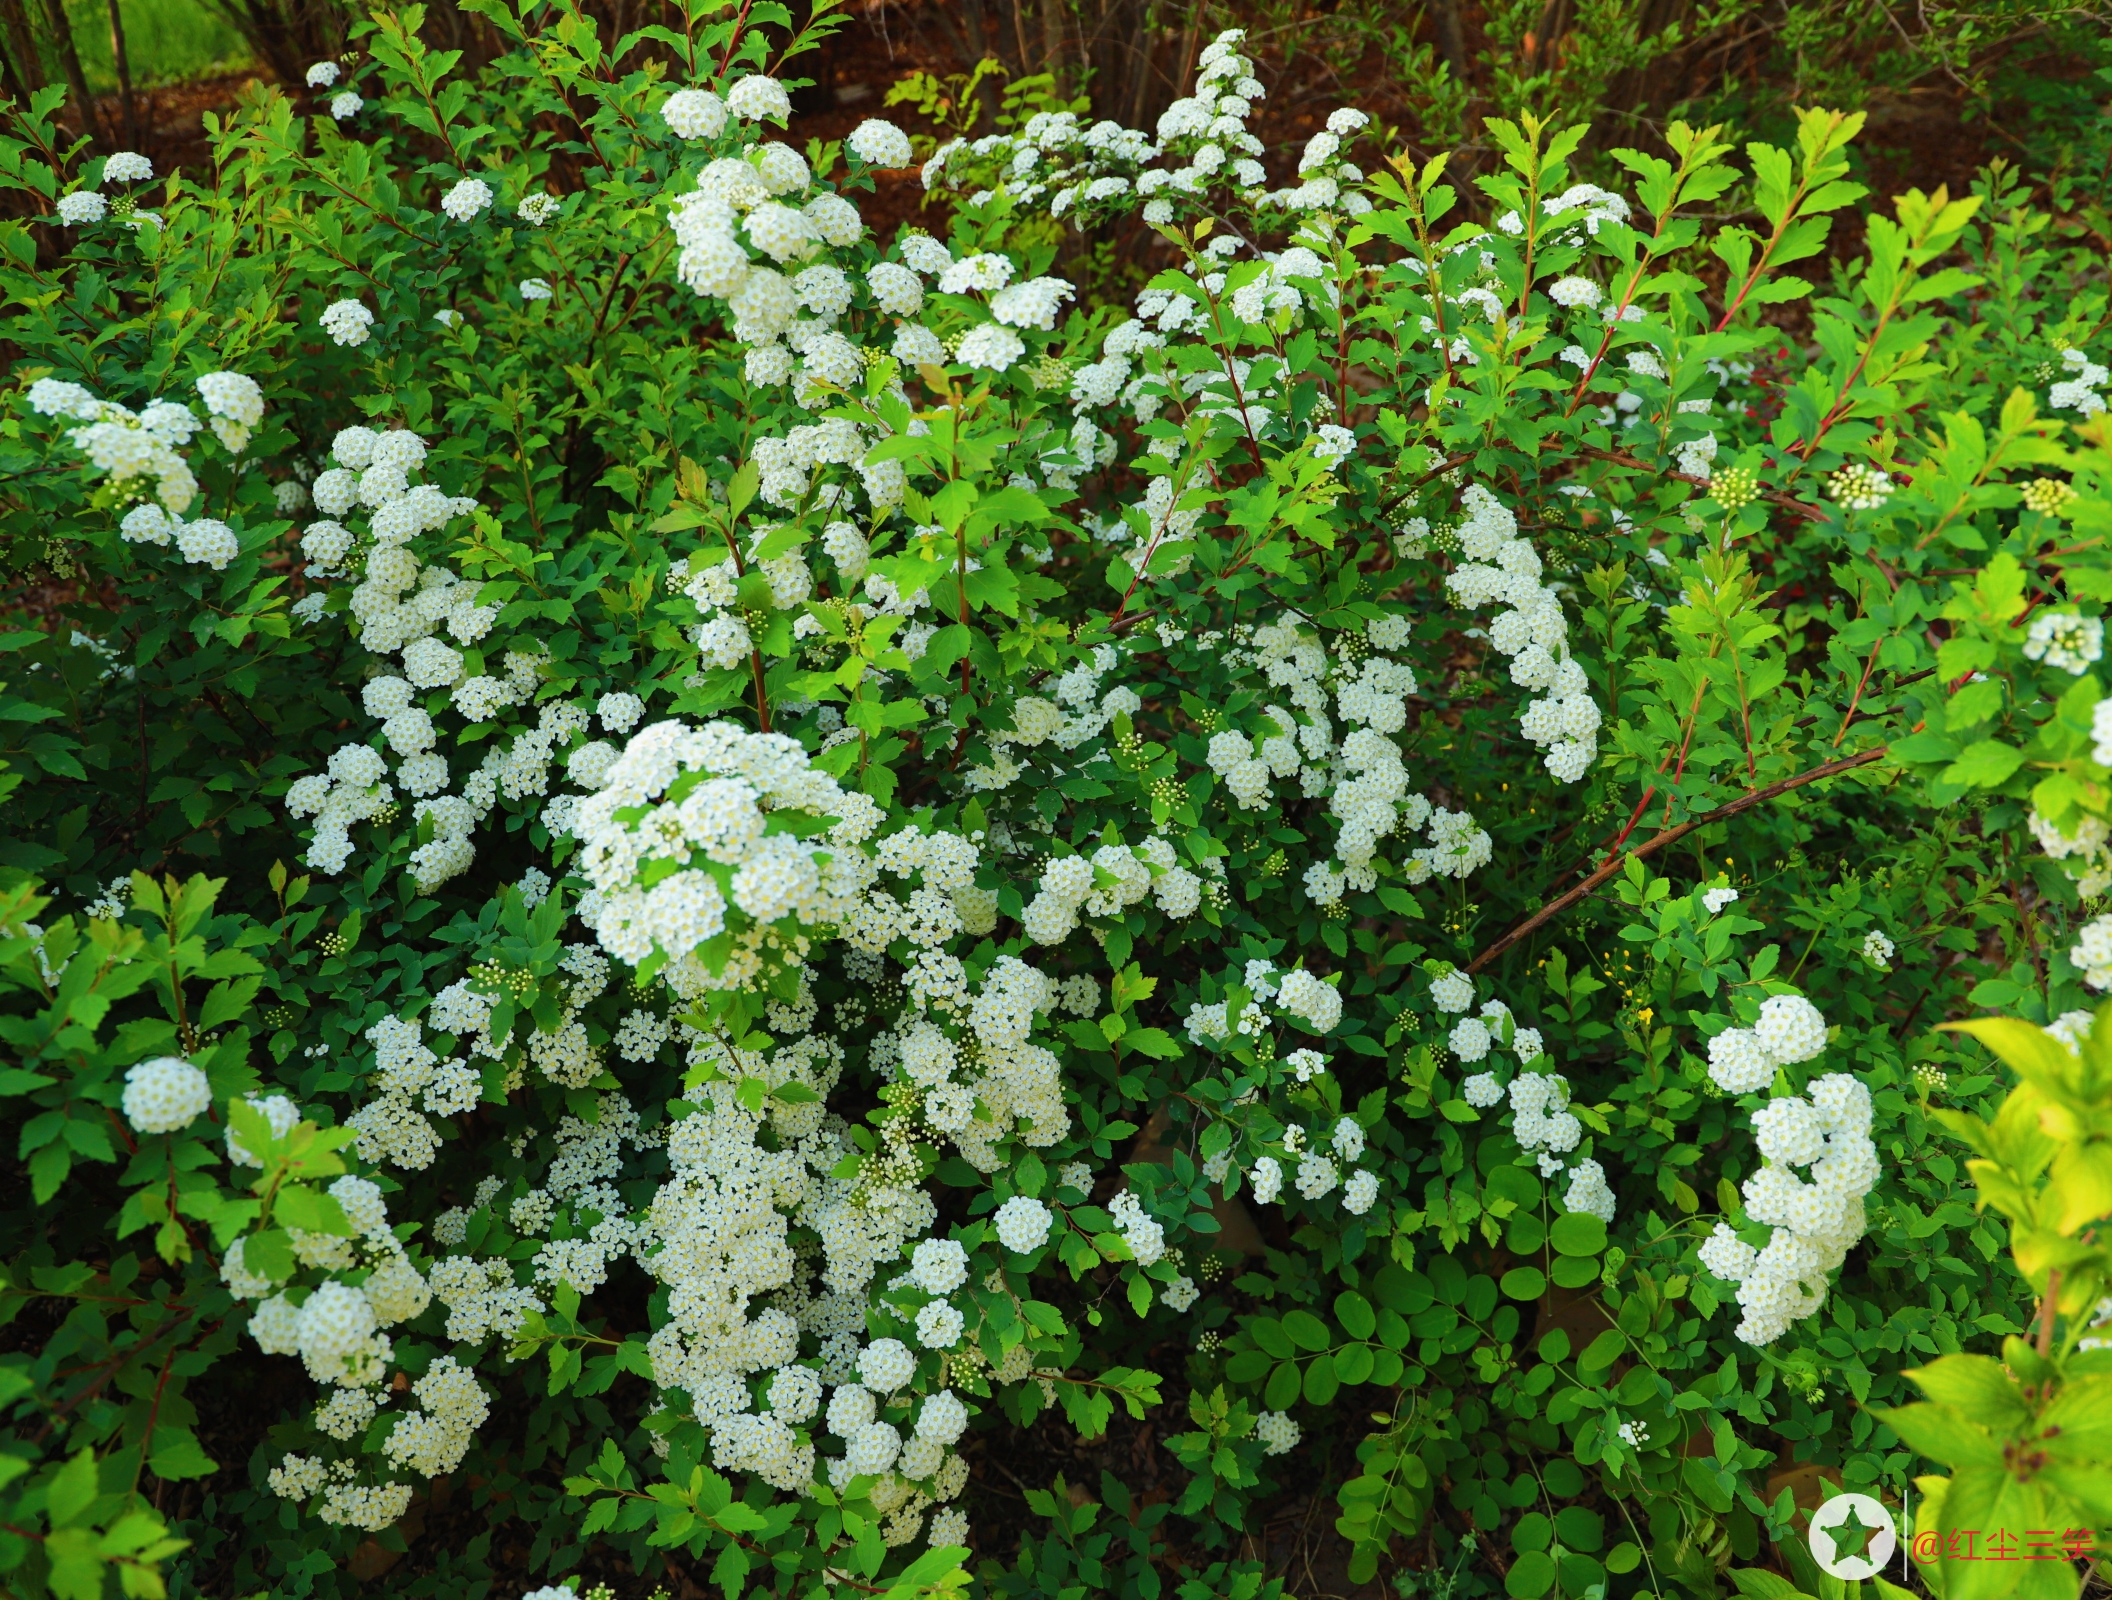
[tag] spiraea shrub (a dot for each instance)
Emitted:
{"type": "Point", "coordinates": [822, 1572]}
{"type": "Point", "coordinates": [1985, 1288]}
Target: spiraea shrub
{"type": "Point", "coordinates": [686, 886]}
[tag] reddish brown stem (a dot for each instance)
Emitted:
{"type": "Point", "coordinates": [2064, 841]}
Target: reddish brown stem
{"type": "Point", "coordinates": [1613, 863]}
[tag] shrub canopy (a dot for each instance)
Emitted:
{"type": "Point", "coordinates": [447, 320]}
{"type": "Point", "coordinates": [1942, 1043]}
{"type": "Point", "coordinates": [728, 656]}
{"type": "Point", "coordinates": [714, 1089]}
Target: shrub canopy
{"type": "Point", "coordinates": [681, 873]}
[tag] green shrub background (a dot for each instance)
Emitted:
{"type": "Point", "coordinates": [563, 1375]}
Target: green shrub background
{"type": "Point", "coordinates": [1837, 708]}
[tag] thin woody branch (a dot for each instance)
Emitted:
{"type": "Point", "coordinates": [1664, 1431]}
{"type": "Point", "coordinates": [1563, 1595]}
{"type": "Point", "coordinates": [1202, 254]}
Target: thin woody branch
{"type": "Point", "coordinates": [1613, 863]}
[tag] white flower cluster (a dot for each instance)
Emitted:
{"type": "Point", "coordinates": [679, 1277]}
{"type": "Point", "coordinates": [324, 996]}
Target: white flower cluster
{"type": "Point", "coordinates": [718, 1237]}
{"type": "Point", "coordinates": [740, 226]}
{"type": "Point", "coordinates": [348, 322]}
{"type": "Point", "coordinates": [1858, 486]}
{"type": "Point", "coordinates": [165, 1095]}
{"type": "Point", "coordinates": [1103, 886]}
{"type": "Point", "coordinates": [879, 144]}
{"type": "Point", "coordinates": [349, 791]}
{"type": "Point", "coordinates": [1140, 1231]}
{"type": "Point", "coordinates": [1789, 1029]}
{"type": "Point", "coordinates": [1206, 151]}
{"type": "Point", "coordinates": [2064, 640]}
{"type": "Point", "coordinates": [402, 607]}
{"type": "Point", "coordinates": [1533, 632]}
{"type": "Point", "coordinates": [2082, 843]}
{"type": "Point", "coordinates": [1816, 1221]}
{"type": "Point", "coordinates": [433, 1440]}
{"type": "Point", "coordinates": [1588, 1191]}
{"type": "Point", "coordinates": [1472, 1038]}
{"type": "Point", "coordinates": [1541, 1119]}
{"type": "Point", "coordinates": [336, 1328]}
{"type": "Point", "coordinates": [1277, 1430]}
{"type": "Point", "coordinates": [1046, 731]}
{"type": "Point", "coordinates": [408, 1074]}
{"type": "Point", "coordinates": [2092, 953]}
{"type": "Point", "coordinates": [749, 850]}
{"type": "Point", "coordinates": [966, 1050]}
{"type": "Point", "coordinates": [2082, 390]}
{"type": "Point", "coordinates": [2072, 1028]}
{"type": "Point", "coordinates": [467, 199]}
{"type": "Point", "coordinates": [1299, 996]}
{"type": "Point", "coordinates": [694, 114]}
{"type": "Point", "coordinates": [129, 447]}
{"type": "Point", "coordinates": [1579, 210]}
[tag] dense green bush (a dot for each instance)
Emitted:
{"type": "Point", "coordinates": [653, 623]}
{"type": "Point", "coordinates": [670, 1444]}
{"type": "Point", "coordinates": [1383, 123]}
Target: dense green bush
{"type": "Point", "coordinates": [627, 800]}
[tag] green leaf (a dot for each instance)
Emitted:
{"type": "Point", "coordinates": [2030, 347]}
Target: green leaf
{"type": "Point", "coordinates": [1580, 1528]}
{"type": "Point", "coordinates": [1284, 1387]}
{"type": "Point", "coordinates": [1755, 1583]}
{"type": "Point", "coordinates": [1984, 1500]}
{"type": "Point", "coordinates": [73, 1490]}
{"type": "Point", "coordinates": [1355, 1314]}
{"type": "Point", "coordinates": [1268, 1333]}
{"type": "Point", "coordinates": [739, 1517]}
{"type": "Point", "coordinates": [177, 1455]}
{"type": "Point", "coordinates": [1531, 1576]}
{"type": "Point", "coordinates": [1321, 1380]}
{"type": "Point", "coordinates": [1306, 1331]}
{"type": "Point", "coordinates": [1942, 1434]}
{"type": "Point", "coordinates": [1579, 1233]}
{"type": "Point", "coordinates": [1985, 765]}
{"type": "Point", "coordinates": [1525, 1283]}
{"type": "Point", "coordinates": [312, 1211]}
{"type": "Point", "coordinates": [1355, 1363]}
{"type": "Point", "coordinates": [1977, 1386]}
{"type": "Point", "coordinates": [1154, 1042]}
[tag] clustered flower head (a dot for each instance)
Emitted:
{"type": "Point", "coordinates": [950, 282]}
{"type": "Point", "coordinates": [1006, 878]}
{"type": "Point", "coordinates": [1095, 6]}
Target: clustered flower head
{"type": "Point", "coordinates": [1789, 1030]}
{"type": "Point", "coordinates": [2092, 952]}
{"type": "Point", "coordinates": [694, 114]}
{"type": "Point", "coordinates": [2064, 640]}
{"type": "Point", "coordinates": [1816, 1220]}
{"type": "Point", "coordinates": [348, 322]}
{"type": "Point", "coordinates": [1205, 156]}
{"type": "Point", "coordinates": [2081, 390]}
{"type": "Point", "coordinates": [746, 894]}
{"type": "Point", "coordinates": [1588, 1191]}
{"type": "Point", "coordinates": [879, 144]}
{"type": "Point", "coordinates": [130, 447]}
{"type": "Point", "coordinates": [812, 1318]}
{"type": "Point", "coordinates": [2049, 497]}
{"type": "Point", "coordinates": [1534, 633]}
{"type": "Point", "coordinates": [467, 199]}
{"type": "Point", "coordinates": [165, 1095]}
{"type": "Point", "coordinates": [422, 614]}
{"type": "Point", "coordinates": [2080, 842]}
